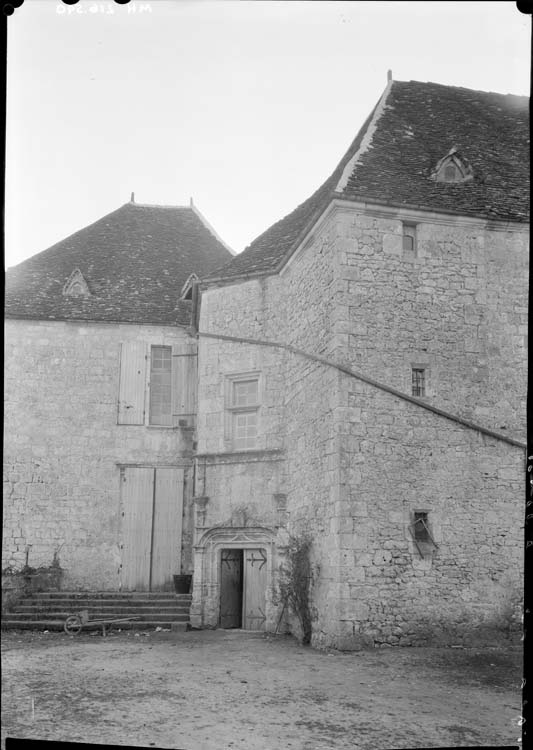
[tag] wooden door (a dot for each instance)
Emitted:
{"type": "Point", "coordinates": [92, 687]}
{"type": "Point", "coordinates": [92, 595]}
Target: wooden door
{"type": "Point", "coordinates": [254, 588]}
{"type": "Point", "coordinates": [231, 581]}
{"type": "Point", "coordinates": [152, 527]}
{"type": "Point", "coordinates": [137, 498]}
{"type": "Point", "coordinates": [166, 528]}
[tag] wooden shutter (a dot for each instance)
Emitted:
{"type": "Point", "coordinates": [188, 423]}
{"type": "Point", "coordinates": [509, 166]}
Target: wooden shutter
{"type": "Point", "coordinates": [167, 526]}
{"type": "Point", "coordinates": [132, 383]}
{"type": "Point", "coordinates": [184, 375]}
{"type": "Point", "coordinates": [138, 499]}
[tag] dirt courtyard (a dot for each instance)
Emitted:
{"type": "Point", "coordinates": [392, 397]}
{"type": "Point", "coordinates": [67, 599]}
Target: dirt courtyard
{"type": "Point", "coordinates": [224, 690]}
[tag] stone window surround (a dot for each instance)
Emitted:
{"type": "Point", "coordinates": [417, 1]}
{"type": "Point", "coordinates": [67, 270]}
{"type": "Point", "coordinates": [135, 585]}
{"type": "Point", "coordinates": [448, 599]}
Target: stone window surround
{"type": "Point", "coordinates": [409, 230]}
{"type": "Point", "coordinates": [230, 410]}
{"type": "Point", "coordinates": [427, 378]}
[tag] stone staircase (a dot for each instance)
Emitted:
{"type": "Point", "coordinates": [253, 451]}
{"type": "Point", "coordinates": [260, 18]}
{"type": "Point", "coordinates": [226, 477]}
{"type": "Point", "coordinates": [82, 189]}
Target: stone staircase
{"type": "Point", "coordinates": [49, 610]}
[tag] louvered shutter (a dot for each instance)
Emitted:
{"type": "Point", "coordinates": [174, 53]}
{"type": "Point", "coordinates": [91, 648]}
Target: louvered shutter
{"type": "Point", "coordinates": [184, 374]}
{"type": "Point", "coordinates": [132, 383]}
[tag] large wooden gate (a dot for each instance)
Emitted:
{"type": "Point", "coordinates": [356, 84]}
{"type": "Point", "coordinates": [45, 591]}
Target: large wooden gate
{"type": "Point", "coordinates": [243, 578]}
{"type": "Point", "coordinates": [152, 509]}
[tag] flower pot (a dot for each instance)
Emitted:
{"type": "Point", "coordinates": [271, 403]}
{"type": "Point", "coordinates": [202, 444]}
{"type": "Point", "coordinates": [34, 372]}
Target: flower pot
{"type": "Point", "coordinates": [182, 584]}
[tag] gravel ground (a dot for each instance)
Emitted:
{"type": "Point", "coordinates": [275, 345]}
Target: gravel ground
{"type": "Point", "coordinates": [224, 690]}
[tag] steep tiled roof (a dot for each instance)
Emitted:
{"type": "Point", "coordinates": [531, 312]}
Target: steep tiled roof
{"type": "Point", "coordinates": [134, 261]}
{"type": "Point", "coordinates": [416, 125]}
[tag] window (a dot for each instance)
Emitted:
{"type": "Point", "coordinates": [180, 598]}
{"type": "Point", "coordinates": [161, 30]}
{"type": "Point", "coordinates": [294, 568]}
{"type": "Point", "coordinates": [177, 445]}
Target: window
{"type": "Point", "coordinates": [409, 238]}
{"type": "Point", "coordinates": [161, 385]}
{"type": "Point", "coordinates": [420, 526]}
{"type": "Point", "coordinates": [76, 286]}
{"type": "Point", "coordinates": [453, 167]}
{"type": "Point", "coordinates": [450, 173]}
{"type": "Point", "coordinates": [157, 384]}
{"type": "Point", "coordinates": [418, 381]}
{"type": "Point", "coordinates": [242, 408]}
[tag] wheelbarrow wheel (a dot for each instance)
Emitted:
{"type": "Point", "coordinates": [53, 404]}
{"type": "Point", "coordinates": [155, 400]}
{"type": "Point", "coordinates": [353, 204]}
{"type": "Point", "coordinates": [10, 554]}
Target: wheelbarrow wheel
{"type": "Point", "coordinates": [73, 625]}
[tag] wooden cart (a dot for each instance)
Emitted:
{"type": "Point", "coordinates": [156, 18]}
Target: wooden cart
{"type": "Point", "coordinates": [74, 623]}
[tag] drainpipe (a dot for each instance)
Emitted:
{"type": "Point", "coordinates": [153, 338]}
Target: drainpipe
{"type": "Point", "coordinates": [196, 303]}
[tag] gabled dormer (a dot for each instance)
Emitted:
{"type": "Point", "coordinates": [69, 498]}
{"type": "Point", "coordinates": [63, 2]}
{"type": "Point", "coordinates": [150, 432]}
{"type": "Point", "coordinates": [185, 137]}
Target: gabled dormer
{"type": "Point", "coordinates": [452, 168]}
{"type": "Point", "coordinates": [76, 285]}
{"type": "Point", "coordinates": [186, 290]}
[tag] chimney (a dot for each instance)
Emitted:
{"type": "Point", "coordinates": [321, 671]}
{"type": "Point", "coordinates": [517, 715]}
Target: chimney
{"type": "Point", "coordinates": [389, 75]}
{"type": "Point", "coordinates": [191, 202]}
{"type": "Point", "coordinates": [132, 199]}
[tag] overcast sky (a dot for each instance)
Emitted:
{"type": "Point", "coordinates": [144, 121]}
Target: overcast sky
{"type": "Point", "coordinates": [246, 106]}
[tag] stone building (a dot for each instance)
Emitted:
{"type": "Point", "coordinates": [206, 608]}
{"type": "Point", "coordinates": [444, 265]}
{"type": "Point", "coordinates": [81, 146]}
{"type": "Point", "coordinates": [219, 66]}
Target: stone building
{"type": "Point", "coordinates": [362, 381]}
{"type": "Point", "coordinates": [100, 399]}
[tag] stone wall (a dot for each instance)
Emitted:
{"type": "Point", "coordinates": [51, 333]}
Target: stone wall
{"type": "Point", "coordinates": [457, 308]}
{"type": "Point", "coordinates": [357, 461]}
{"type": "Point", "coordinates": [298, 401]}
{"type": "Point", "coordinates": [62, 447]}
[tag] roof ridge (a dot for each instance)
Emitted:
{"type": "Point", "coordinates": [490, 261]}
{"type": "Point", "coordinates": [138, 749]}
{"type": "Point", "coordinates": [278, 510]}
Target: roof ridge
{"type": "Point", "coordinates": [135, 204]}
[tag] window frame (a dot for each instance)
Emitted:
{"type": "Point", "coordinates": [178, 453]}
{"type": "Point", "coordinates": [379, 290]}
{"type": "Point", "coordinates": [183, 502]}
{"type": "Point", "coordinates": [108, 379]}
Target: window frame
{"type": "Point", "coordinates": [231, 409]}
{"type": "Point", "coordinates": [409, 229]}
{"type": "Point", "coordinates": [427, 545]}
{"type": "Point", "coordinates": [423, 369]}
{"type": "Point", "coordinates": [151, 423]}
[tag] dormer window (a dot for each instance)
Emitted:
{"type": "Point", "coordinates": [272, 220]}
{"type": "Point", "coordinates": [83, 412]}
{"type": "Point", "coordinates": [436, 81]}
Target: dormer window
{"type": "Point", "coordinates": [451, 173]}
{"type": "Point", "coordinates": [76, 285]}
{"type": "Point", "coordinates": [452, 168]}
{"type": "Point", "coordinates": [186, 290]}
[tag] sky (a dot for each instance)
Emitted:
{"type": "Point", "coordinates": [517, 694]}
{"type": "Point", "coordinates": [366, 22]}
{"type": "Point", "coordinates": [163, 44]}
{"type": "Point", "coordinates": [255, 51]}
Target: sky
{"type": "Point", "coordinates": [247, 107]}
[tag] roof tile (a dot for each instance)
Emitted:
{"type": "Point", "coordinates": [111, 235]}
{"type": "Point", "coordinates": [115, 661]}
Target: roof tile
{"type": "Point", "coordinates": [135, 261]}
{"type": "Point", "coordinates": [418, 126]}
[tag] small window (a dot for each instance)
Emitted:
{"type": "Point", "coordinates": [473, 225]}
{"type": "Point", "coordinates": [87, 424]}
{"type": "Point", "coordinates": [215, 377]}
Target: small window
{"type": "Point", "coordinates": [161, 385]}
{"type": "Point", "coordinates": [409, 238]}
{"type": "Point", "coordinates": [450, 173]}
{"type": "Point", "coordinates": [418, 381]}
{"type": "Point", "coordinates": [420, 526]}
{"type": "Point", "coordinates": [242, 408]}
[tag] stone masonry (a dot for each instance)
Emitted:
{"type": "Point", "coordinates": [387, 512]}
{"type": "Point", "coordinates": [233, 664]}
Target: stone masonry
{"type": "Point", "coordinates": [63, 447]}
{"type": "Point", "coordinates": [355, 462]}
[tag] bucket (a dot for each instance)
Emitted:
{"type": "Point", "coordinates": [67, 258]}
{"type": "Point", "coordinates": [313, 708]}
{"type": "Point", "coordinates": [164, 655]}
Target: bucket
{"type": "Point", "coordinates": [182, 584]}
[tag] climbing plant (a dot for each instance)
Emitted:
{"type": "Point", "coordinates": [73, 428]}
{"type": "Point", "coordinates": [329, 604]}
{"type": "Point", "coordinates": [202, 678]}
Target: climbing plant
{"type": "Point", "coordinates": [295, 578]}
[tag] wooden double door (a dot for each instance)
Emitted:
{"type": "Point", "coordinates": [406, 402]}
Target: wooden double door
{"type": "Point", "coordinates": [152, 510]}
{"type": "Point", "coordinates": [243, 579]}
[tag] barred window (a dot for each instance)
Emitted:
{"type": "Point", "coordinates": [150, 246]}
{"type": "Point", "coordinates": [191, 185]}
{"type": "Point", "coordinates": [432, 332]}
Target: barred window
{"type": "Point", "coordinates": [418, 381]}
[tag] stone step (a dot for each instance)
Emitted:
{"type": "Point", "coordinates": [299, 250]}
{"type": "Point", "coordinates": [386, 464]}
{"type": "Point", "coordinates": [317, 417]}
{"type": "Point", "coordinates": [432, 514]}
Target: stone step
{"type": "Point", "coordinates": [48, 610]}
{"type": "Point", "coordinates": [58, 615]}
{"type": "Point", "coordinates": [100, 607]}
{"type": "Point", "coordinates": [109, 595]}
{"type": "Point", "coordinates": [11, 623]}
